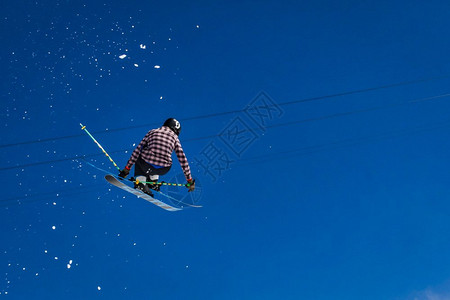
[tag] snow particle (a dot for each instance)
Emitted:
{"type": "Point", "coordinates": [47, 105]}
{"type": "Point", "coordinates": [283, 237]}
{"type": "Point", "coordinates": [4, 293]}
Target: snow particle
{"type": "Point", "coordinates": [53, 227]}
{"type": "Point", "coordinates": [136, 65]}
{"type": "Point", "coordinates": [157, 67]}
{"type": "Point", "coordinates": [99, 288]}
{"type": "Point", "coordinates": [122, 56]}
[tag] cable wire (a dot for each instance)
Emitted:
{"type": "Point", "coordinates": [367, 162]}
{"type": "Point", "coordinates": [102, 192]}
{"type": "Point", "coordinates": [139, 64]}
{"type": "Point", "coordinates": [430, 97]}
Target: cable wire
{"type": "Point", "coordinates": [291, 123]}
{"type": "Point", "coordinates": [232, 111]}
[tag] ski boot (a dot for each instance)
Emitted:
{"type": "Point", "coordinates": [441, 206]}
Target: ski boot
{"type": "Point", "coordinates": [154, 186]}
{"type": "Point", "coordinates": [144, 188]}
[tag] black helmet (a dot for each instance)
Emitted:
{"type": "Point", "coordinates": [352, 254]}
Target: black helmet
{"type": "Point", "coordinates": [174, 125]}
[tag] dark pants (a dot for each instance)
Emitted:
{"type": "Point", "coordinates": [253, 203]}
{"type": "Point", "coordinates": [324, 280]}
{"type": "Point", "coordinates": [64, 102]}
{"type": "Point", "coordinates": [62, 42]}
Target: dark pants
{"type": "Point", "coordinates": [142, 168]}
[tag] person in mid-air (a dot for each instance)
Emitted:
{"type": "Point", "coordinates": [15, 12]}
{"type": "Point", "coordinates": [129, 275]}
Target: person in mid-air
{"type": "Point", "coordinates": [152, 157]}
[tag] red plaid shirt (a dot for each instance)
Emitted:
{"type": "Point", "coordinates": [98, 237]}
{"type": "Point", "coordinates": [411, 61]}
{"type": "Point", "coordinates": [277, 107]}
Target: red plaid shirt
{"type": "Point", "coordinates": [156, 148]}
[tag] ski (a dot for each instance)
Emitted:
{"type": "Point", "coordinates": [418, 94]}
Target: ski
{"type": "Point", "coordinates": [178, 201]}
{"type": "Point", "coordinates": [116, 182]}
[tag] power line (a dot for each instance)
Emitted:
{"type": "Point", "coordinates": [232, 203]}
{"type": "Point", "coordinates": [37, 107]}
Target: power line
{"type": "Point", "coordinates": [56, 161]}
{"type": "Point", "coordinates": [342, 143]}
{"type": "Point", "coordinates": [41, 140]}
{"type": "Point", "coordinates": [336, 115]}
{"type": "Point", "coordinates": [231, 111]}
{"type": "Point", "coordinates": [291, 123]}
{"type": "Point", "coordinates": [263, 158]}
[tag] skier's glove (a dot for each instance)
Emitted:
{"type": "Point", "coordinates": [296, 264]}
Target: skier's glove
{"type": "Point", "coordinates": [191, 185]}
{"type": "Point", "coordinates": [124, 173]}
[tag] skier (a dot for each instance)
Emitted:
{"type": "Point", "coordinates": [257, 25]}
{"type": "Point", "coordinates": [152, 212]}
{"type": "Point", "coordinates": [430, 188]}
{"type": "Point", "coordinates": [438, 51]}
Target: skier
{"type": "Point", "coordinates": [152, 157]}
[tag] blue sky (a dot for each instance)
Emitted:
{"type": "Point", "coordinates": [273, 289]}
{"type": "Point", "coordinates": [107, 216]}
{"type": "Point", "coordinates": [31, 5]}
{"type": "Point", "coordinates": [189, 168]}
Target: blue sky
{"type": "Point", "coordinates": [342, 193]}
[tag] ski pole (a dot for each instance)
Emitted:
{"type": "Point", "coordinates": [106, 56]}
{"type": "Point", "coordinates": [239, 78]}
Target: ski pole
{"type": "Point", "coordinates": [159, 183]}
{"type": "Point", "coordinates": [100, 146]}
